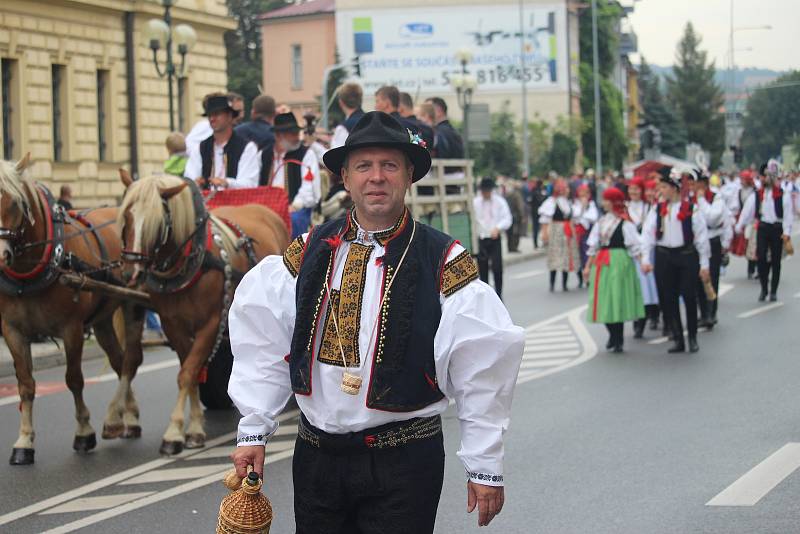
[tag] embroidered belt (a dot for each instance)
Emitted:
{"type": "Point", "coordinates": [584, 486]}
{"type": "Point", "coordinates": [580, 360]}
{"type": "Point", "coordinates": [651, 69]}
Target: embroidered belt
{"type": "Point", "coordinates": [380, 437]}
{"type": "Point", "coordinates": [685, 249]}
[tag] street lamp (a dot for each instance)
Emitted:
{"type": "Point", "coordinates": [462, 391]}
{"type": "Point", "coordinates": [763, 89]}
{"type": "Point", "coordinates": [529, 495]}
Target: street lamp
{"type": "Point", "coordinates": [159, 34]}
{"type": "Point", "coordinates": [464, 84]}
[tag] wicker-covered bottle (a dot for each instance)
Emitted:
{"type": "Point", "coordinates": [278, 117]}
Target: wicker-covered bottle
{"type": "Point", "coordinates": [246, 510]}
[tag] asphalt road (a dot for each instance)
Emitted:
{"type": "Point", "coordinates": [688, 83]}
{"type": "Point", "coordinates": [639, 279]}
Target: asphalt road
{"type": "Point", "coordinates": [642, 442]}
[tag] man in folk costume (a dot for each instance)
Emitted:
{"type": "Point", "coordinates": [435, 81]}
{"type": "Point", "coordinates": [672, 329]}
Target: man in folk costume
{"type": "Point", "coordinates": [718, 219]}
{"type": "Point", "coordinates": [225, 158]}
{"type": "Point", "coordinates": [638, 209]}
{"type": "Point", "coordinates": [374, 321]}
{"type": "Point", "coordinates": [773, 211]}
{"type": "Point", "coordinates": [555, 215]}
{"type": "Point", "coordinates": [615, 295]}
{"type": "Point", "coordinates": [492, 216]}
{"type": "Point", "coordinates": [679, 234]}
{"type": "Point", "coordinates": [295, 168]}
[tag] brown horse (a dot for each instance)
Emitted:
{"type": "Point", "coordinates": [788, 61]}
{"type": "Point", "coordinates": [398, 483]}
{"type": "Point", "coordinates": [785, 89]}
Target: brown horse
{"type": "Point", "coordinates": [39, 241]}
{"type": "Point", "coordinates": [189, 260]}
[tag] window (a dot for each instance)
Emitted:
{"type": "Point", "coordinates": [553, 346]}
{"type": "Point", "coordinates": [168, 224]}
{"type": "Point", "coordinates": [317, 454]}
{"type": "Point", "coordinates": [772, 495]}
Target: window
{"type": "Point", "coordinates": [7, 73]}
{"type": "Point", "coordinates": [103, 98]}
{"type": "Point", "coordinates": [297, 67]}
{"type": "Point", "coordinates": [58, 89]}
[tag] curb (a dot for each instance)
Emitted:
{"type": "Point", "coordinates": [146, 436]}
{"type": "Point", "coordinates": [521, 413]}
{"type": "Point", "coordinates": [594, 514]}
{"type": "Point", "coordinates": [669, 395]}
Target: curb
{"type": "Point", "coordinates": [53, 359]}
{"type": "Point", "coordinates": [513, 258]}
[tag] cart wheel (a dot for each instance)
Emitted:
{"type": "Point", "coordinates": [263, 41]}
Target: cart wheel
{"type": "Point", "coordinates": [214, 391]}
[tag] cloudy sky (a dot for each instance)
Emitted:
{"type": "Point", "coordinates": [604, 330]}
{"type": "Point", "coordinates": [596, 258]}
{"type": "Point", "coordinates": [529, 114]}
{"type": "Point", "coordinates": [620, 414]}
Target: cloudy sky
{"type": "Point", "coordinates": [659, 25]}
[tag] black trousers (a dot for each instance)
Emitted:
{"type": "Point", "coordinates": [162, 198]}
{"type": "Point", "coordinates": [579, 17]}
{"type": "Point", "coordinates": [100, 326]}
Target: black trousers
{"type": "Point", "coordinates": [491, 255]}
{"type": "Point", "coordinates": [394, 490]}
{"type": "Point", "coordinates": [769, 239]}
{"type": "Point", "coordinates": [615, 333]}
{"type": "Point", "coordinates": [537, 227]}
{"type": "Point", "coordinates": [708, 309]}
{"type": "Point", "coordinates": [676, 271]}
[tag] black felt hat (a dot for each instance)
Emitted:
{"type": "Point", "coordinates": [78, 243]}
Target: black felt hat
{"type": "Point", "coordinates": [286, 122]}
{"type": "Point", "coordinates": [377, 129]}
{"type": "Point", "coordinates": [218, 103]}
{"type": "Point", "coordinates": [667, 178]}
{"type": "Point", "coordinates": [487, 184]}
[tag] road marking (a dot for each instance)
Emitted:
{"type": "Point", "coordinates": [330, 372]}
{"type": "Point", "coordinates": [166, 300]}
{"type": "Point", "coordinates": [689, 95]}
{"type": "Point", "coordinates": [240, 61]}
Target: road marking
{"type": "Point", "coordinates": [553, 346]}
{"type": "Point", "coordinates": [563, 329]}
{"type": "Point", "coordinates": [760, 309]}
{"type": "Point", "coordinates": [760, 480]}
{"type": "Point", "coordinates": [552, 354]}
{"type": "Point", "coordinates": [102, 502]}
{"type": "Point", "coordinates": [176, 473]}
{"type": "Point", "coordinates": [797, 295]}
{"type": "Point", "coordinates": [527, 274]}
{"type": "Point", "coordinates": [533, 337]}
{"type": "Point", "coordinates": [544, 362]}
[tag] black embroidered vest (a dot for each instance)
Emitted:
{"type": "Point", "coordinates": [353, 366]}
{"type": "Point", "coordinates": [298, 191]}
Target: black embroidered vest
{"type": "Point", "coordinates": [232, 151]}
{"type": "Point", "coordinates": [403, 371]}
{"type": "Point", "coordinates": [776, 201]}
{"type": "Point", "coordinates": [686, 226]}
{"type": "Point", "coordinates": [292, 180]}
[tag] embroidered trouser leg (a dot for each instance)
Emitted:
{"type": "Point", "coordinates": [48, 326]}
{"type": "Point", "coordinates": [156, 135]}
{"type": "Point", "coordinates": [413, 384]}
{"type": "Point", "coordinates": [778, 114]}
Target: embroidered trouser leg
{"type": "Point", "coordinates": [394, 490]}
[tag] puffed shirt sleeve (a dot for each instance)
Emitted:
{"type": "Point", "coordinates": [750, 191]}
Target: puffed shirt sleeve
{"type": "Point", "coordinates": [713, 212]}
{"type": "Point", "coordinates": [649, 235]}
{"type": "Point", "coordinates": [194, 165]}
{"type": "Point", "coordinates": [478, 351]}
{"type": "Point", "coordinates": [700, 230]}
{"type": "Point", "coordinates": [633, 242]}
{"type": "Point", "coordinates": [340, 135]}
{"type": "Point", "coordinates": [593, 241]}
{"type": "Point", "coordinates": [248, 169]}
{"type": "Point", "coordinates": [547, 210]}
{"type": "Point", "coordinates": [261, 322]}
{"type": "Point", "coordinates": [306, 196]}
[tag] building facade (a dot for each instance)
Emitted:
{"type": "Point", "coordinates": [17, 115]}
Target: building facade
{"type": "Point", "coordinates": [80, 91]}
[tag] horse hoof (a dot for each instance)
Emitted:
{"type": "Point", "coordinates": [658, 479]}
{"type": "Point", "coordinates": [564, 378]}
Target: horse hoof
{"type": "Point", "coordinates": [84, 443]}
{"type": "Point", "coordinates": [112, 431]}
{"type": "Point", "coordinates": [132, 432]}
{"type": "Point", "coordinates": [21, 456]}
{"type": "Point", "coordinates": [171, 448]}
{"type": "Point", "coordinates": [195, 441]}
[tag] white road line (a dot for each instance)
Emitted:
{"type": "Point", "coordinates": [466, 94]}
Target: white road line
{"type": "Point", "coordinates": [544, 347]}
{"type": "Point", "coordinates": [797, 295]}
{"type": "Point", "coordinates": [176, 473]}
{"type": "Point", "coordinates": [544, 362]}
{"type": "Point", "coordinates": [119, 477]}
{"type": "Point", "coordinates": [561, 329]}
{"type": "Point", "coordinates": [152, 499]}
{"type": "Point", "coordinates": [760, 309]}
{"type": "Point", "coordinates": [527, 274]}
{"type": "Point", "coordinates": [103, 502]}
{"type": "Point", "coordinates": [533, 337]}
{"type": "Point", "coordinates": [761, 479]}
{"type": "Point", "coordinates": [552, 354]}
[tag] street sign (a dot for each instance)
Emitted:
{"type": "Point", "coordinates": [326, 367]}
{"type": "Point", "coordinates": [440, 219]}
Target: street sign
{"type": "Point", "coordinates": [479, 122]}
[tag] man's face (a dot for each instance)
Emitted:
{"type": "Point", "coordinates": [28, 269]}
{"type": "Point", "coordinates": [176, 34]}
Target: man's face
{"type": "Point", "coordinates": [667, 192]}
{"type": "Point", "coordinates": [383, 104]}
{"type": "Point", "coordinates": [238, 105]}
{"type": "Point", "coordinates": [486, 194]}
{"type": "Point", "coordinates": [287, 141]}
{"type": "Point", "coordinates": [377, 179]}
{"type": "Point", "coordinates": [405, 111]}
{"type": "Point", "coordinates": [220, 121]}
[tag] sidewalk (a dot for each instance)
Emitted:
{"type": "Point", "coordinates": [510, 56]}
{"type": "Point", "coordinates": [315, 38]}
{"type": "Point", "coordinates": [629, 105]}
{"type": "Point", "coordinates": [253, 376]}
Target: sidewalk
{"type": "Point", "coordinates": [526, 251]}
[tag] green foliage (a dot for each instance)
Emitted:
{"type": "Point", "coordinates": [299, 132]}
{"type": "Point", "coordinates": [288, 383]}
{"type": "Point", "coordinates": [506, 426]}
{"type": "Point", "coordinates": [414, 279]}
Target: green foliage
{"type": "Point", "coordinates": [614, 141]}
{"type": "Point", "coordinates": [772, 119]}
{"type": "Point", "coordinates": [696, 96]}
{"type": "Point", "coordinates": [658, 111]}
{"type": "Point", "coordinates": [501, 154]}
{"type": "Point", "coordinates": [243, 46]}
{"type": "Point", "coordinates": [562, 153]}
{"type": "Point", "coordinates": [336, 78]}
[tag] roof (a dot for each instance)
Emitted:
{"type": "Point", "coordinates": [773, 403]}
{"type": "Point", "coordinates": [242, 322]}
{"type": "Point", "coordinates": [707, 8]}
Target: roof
{"type": "Point", "coordinates": [310, 7]}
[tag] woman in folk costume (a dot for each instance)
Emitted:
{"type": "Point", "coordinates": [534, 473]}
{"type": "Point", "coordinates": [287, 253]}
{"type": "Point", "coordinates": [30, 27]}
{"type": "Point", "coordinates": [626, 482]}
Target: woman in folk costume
{"type": "Point", "coordinates": [555, 214]}
{"type": "Point", "coordinates": [638, 208]}
{"type": "Point", "coordinates": [584, 215]}
{"type": "Point", "coordinates": [615, 295]}
{"type": "Point", "coordinates": [744, 242]}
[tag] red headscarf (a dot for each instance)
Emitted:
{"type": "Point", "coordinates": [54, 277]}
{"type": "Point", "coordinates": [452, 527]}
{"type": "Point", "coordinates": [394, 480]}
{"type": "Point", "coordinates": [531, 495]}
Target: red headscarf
{"type": "Point", "coordinates": [650, 184]}
{"type": "Point", "coordinates": [583, 188]}
{"type": "Point", "coordinates": [617, 199]}
{"type": "Point", "coordinates": [746, 176]}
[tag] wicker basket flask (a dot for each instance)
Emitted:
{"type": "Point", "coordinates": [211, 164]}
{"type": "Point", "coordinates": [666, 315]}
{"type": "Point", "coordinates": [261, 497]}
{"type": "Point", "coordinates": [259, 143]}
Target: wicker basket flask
{"type": "Point", "coordinates": [246, 510]}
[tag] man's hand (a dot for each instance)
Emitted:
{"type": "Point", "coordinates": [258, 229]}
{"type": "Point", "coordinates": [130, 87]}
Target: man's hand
{"type": "Point", "coordinates": [250, 455]}
{"type": "Point", "coordinates": [292, 208]}
{"type": "Point", "coordinates": [705, 276]}
{"type": "Point", "coordinates": [222, 183]}
{"type": "Point", "coordinates": [495, 233]}
{"type": "Point", "coordinates": [647, 268]}
{"type": "Point", "coordinates": [489, 500]}
{"type": "Point", "coordinates": [201, 182]}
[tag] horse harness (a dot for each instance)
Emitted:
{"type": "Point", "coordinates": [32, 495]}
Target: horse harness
{"type": "Point", "coordinates": [55, 259]}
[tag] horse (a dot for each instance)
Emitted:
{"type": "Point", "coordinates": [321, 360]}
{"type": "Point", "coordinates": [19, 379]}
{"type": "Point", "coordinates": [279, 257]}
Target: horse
{"type": "Point", "coordinates": [189, 259]}
{"type": "Point", "coordinates": [39, 241]}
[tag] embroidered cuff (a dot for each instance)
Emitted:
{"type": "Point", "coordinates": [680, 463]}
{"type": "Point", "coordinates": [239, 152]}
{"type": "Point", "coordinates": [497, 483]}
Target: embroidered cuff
{"type": "Point", "coordinates": [486, 479]}
{"type": "Point", "coordinates": [251, 439]}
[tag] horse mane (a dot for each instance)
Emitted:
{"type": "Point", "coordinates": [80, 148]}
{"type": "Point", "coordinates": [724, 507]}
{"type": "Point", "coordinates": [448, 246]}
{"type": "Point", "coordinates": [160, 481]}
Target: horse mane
{"type": "Point", "coordinates": [144, 198]}
{"type": "Point", "coordinates": [20, 189]}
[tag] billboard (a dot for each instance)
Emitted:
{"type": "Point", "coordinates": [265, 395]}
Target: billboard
{"type": "Point", "coordinates": [414, 49]}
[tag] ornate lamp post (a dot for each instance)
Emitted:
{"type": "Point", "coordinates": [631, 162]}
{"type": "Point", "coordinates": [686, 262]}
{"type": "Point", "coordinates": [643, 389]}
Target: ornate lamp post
{"type": "Point", "coordinates": [160, 34]}
{"type": "Point", "coordinates": [464, 84]}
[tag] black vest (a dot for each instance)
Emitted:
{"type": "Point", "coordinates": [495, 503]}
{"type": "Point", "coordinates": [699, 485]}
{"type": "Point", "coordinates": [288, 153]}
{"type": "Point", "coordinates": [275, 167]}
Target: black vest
{"type": "Point", "coordinates": [776, 201]}
{"type": "Point", "coordinates": [403, 369]}
{"type": "Point", "coordinates": [232, 151]}
{"type": "Point", "coordinates": [686, 226]}
{"type": "Point", "coordinates": [292, 180]}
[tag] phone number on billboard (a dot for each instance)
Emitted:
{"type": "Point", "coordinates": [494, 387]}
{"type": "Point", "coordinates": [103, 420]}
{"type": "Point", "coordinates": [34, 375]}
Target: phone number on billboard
{"type": "Point", "coordinates": [503, 74]}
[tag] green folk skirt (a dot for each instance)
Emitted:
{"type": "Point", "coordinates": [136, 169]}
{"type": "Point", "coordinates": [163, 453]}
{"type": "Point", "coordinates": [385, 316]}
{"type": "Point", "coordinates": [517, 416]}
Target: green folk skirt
{"type": "Point", "coordinates": [615, 295]}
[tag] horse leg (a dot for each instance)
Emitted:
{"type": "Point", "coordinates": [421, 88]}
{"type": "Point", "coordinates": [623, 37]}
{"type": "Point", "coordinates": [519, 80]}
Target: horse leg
{"type": "Point", "coordinates": [134, 324]}
{"type": "Point", "coordinates": [107, 339]}
{"type": "Point", "coordinates": [20, 347]}
{"type": "Point", "coordinates": [201, 349]}
{"type": "Point", "coordinates": [85, 439]}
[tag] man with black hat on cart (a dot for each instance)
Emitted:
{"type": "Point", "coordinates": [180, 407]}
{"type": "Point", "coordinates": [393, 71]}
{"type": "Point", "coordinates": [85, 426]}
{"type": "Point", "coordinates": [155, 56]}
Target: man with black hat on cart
{"type": "Point", "coordinates": [295, 168]}
{"type": "Point", "coordinates": [374, 321]}
{"type": "Point", "coordinates": [225, 158]}
{"type": "Point", "coordinates": [772, 207]}
{"type": "Point", "coordinates": [680, 236]}
{"type": "Point", "coordinates": [493, 217]}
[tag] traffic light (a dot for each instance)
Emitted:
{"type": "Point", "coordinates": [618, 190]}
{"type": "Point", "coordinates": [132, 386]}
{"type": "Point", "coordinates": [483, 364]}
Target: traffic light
{"type": "Point", "coordinates": [737, 153]}
{"type": "Point", "coordinates": [357, 66]}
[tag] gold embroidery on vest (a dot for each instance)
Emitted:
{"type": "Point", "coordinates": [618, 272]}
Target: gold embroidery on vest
{"type": "Point", "coordinates": [347, 302]}
{"type": "Point", "coordinates": [458, 272]}
{"type": "Point", "coordinates": [293, 257]}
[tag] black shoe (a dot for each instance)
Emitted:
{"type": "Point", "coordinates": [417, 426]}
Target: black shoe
{"type": "Point", "coordinates": [762, 296]}
{"type": "Point", "coordinates": [677, 347]}
{"type": "Point", "coordinates": [773, 297]}
{"type": "Point", "coordinates": [552, 288]}
{"type": "Point", "coordinates": [654, 324]}
{"type": "Point", "coordinates": [713, 319]}
{"type": "Point", "coordinates": [704, 323]}
{"type": "Point", "coordinates": [617, 349]}
{"type": "Point", "coordinates": [638, 329]}
{"type": "Point", "coordinates": [564, 288]}
{"type": "Point", "coordinates": [693, 346]}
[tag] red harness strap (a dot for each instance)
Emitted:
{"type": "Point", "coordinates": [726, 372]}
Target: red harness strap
{"type": "Point", "coordinates": [48, 249]}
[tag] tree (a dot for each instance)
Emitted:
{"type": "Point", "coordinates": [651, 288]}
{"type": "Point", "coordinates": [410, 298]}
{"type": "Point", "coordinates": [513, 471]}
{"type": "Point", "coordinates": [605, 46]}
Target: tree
{"type": "Point", "coordinates": [696, 96]}
{"type": "Point", "coordinates": [501, 154]}
{"type": "Point", "coordinates": [613, 130]}
{"type": "Point", "coordinates": [562, 153]}
{"type": "Point", "coordinates": [772, 118]}
{"type": "Point", "coordinates": [336, 77]}
{"type": "Point", "coordinates": [659, 112]}
{"type": "Point", "coordinates": [243, 46]}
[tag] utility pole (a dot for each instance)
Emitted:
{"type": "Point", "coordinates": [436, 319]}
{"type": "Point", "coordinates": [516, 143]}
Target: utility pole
{"type": "Point", "coordinates": [525, 148]}
{"type": "Point", "coordinates": [598, 145]}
